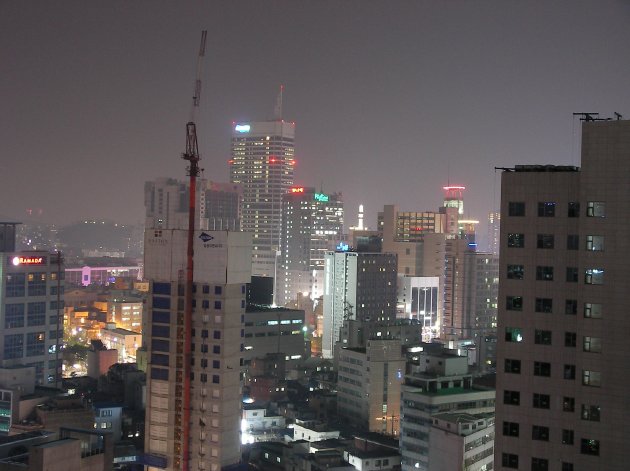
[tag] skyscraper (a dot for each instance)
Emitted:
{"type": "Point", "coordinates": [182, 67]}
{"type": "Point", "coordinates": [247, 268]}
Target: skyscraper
{"type": "Point", "coordinates": [262, 162]}
{"type": "Point", "coordinates": [563, 349]}
{"type": "Point", "coordinates": [312, 225]}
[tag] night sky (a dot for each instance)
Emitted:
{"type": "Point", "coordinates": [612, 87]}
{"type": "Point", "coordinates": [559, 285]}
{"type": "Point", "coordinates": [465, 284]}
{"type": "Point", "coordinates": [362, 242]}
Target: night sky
{"type": "Point", "coordinates": [391, 99]}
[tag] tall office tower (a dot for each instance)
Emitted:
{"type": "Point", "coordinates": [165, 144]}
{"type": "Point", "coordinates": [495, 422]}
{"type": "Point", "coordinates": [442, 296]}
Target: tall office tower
{"type": "Point", "coordinates": [312, 224]}
{"type": "Point", "coordinates": [262, 162]}
{"type": "Point", "coordinates": [481, 288]}
{"type": "Point", "coordinates": [368, 387]}
{"type": "Point", "coordinates": [494, 227]}
{"type": "Point", "coordinates": [438, 389]}
{"type": "Point", "coordinates": [222, 269]}
{"type": "Point", "coordinates": [360, 286]}
{"type": "Point", "coordinates": [563, 347]}
{"type": "Point", "coordinates": [29, 283]}
{"type": "Point", "coordinates": [218, 204]}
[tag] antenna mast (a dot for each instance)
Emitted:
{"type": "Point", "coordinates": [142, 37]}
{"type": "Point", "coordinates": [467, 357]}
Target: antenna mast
{"type": "Point", "coordinates": [192, 156]}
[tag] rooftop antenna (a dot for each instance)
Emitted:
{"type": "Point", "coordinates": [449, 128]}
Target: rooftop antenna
{"type": "Point", "coordinates": [618, 116]}
{"type": "Point", "coordinates": [278, 109]}
{"type": "Point", "coordinates": [192, 156]}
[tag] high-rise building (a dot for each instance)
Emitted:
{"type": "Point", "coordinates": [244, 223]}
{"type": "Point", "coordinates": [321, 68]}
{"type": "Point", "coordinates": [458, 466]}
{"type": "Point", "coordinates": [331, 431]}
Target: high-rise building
{"type": "Point", "coordinates": [222, 267]}
{"type": "Point", "coordinates": [563, 319]}
{"type": "Point", "coordinates": [312, 225]}
{"type": "Point", "coordinates": [359, 286]}
{"type": "Point", "coordinates": [29, 305]}
{"type": "Point", "coordinates": [262, 161]}
{"type": "Point", "coordinates": [494, 227]}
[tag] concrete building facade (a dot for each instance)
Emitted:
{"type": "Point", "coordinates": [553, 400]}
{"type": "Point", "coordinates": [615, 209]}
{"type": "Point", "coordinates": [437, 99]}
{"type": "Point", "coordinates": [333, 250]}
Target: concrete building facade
{"type": "Point", "coordinates": [563, 351]}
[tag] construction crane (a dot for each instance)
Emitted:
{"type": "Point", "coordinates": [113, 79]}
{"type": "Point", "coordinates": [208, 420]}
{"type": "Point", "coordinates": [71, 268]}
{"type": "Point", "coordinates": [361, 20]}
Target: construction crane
{"type": "Point", "coordinates": [193, 170]}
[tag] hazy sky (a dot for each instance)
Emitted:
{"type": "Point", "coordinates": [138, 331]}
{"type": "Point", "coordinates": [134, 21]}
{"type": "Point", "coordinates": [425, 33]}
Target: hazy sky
{"type": "Point", "coordinates": [391, 99]}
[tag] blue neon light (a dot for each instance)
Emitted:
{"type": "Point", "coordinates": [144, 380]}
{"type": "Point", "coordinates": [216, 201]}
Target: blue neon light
{"type": "Point", "coordinates": [242, 128]}
{"type": "Point", "coordinates": [343, 247]}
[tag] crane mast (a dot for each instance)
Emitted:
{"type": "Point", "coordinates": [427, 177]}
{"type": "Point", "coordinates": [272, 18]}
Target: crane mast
{"type": "Point", "coordinates": [193, 170]}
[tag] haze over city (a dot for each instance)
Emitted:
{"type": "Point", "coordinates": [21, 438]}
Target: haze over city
{"type": "Point", "coordinates": [391, 100]}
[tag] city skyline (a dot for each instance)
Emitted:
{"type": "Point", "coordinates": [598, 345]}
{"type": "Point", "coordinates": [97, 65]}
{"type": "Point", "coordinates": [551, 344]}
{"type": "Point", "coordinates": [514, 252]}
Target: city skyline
{"type": "Point", "coordinates": [100, 94]}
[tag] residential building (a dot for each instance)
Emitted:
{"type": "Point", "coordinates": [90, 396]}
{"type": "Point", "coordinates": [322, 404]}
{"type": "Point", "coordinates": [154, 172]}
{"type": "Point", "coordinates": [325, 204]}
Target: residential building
{"type": "Point", "coordinates": [312, 224]}
{"type": "Point", "coordinates": [262, 162]}
{"type": "Point", "coordinates": [125, 341]}
{"type": "Point", "coordinates": [562, 346]}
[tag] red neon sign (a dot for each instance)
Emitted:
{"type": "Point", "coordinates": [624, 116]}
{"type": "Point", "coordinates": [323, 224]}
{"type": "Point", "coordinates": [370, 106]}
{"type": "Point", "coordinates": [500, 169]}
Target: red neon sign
{"type": "Point", "coordinates": [28, 260]}
{"type": "Point", "coordinates": [297, 189]}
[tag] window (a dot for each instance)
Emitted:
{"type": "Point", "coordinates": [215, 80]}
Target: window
{"type": "Point", "coordinates": [510, 429]}
{"type": "Point", "coordinates": [543, 305]}
{"type": "Point", "coordinates": [574, 209]}
{"type": "Point", "coordinates": [541, 401]}
{"type": "Point", "coordinates": [592, 344]}
{"type": "Point", "coordinates": [512, 366]}
{"type": "Point", "coordinates": [567, 466]}
{"type": "Point", "coordinates": [216, 349]}
{"type": "Point", "coordinates": [591, 378]}
{"type": "Point", "coordinates": [516, 240]}
{"type": "Point", "coordinates": [595, 243]}
{"type": "Point", "coordinates": [589, 447]}
{"type": "Point", "coordinates": [568, 404]}
{"type": "Point", "coordinates": [542, 337]}
{"type": "Point", "coordinates": [593, 310]}
{"type": "Point", "coordinates": [37, 284]}
{"type": "Point", "coordinates": [215, 379]}
{"type": "Point", "coordinates": [569, 371]}
{"type": "Point", "coordinates": [567, 437]}
{"type": "Point", "coordinates": [540, 464]}
{"type": "Point", "coordinates": [544, 241]}
{"type": "Point", "coordinates": [218, 290]}
{"type": "Point", "coordinates": [513, 334]}
{"type": "Point", "coordinates": [570, 307]}
{"type": "Point", "coordinates": [570, 339]}
{"type": "Point", "coordinates": [13, 346]}
{"type": "Point", "coordinates": [516, 208]}
{"type": "Point", "coordinates": [540, 433]}
{"type": "Point", "coordinates": [205, 304]}
{"type": "Point", "coordinates": [217, 334]}
{"type": "Point", "coordinates": [216, 364]}
{"type": "Point", "coordinates": [159, 373]}
{"type": "Point", "coordinates": [515, 272]}
{"type": "Point", "coordinates": [205, 289]}
{"type": "Point", "coordinates": [512, 398]}
{"type": "Point", "coordinates": [514, 303]}
{"type": "Point", "coordinates": [544, 273]}
{"type": "Point", "coordinates": [573, 242]}
{"type": "Point", "coordinates": [217, 304]}
{"type": "Point", "coordinates": [596, 209]}
{"type": "Point", "coordinates": [542, 368]}
{"type": "Point", "coordinates": [14, 316]}
{"type": "Point", "coordinates": [35, 343]}
{"type": "Point", "coordinates": [15, 285]}
{"type": "Point", "coordinates": [591, 413]}
{"type": "Point", "coordinates": [594, 276]}
{"type": "Point", "coordinates": [546, 209]}
{"type": "Point", "coordinates": [509, 460]}
{"type": "Point", "coordinates": [572, 274]}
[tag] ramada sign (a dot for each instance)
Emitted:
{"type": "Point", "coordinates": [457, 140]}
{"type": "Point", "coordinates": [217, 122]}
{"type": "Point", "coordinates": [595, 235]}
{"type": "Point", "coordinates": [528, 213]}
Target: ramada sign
{"type": "Point", "coordinates": [17, 260]}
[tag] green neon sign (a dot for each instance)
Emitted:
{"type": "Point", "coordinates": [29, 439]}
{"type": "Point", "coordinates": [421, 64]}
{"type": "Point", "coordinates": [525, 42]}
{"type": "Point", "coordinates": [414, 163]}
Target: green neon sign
{"type": "Point", "coordinates": [321, 197]}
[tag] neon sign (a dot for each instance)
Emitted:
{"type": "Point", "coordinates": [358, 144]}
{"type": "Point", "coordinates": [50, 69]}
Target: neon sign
{"type": "Point", "coordinates": [17, 260]}
{"type": "Point", "coordinates": [321, 197]}
{"type": "Point", "coordinates": [343, 247]}
{"type": "Point", "coordinates": [242, 128]}
{"type": "Point", "coordinates": [297, 189]}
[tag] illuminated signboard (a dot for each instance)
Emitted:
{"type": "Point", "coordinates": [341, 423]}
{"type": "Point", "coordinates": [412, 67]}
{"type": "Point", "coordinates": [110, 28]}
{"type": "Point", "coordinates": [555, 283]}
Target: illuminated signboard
{"type": "Point", "coordinates": [342, 247]}
{"type": "Point", "coordinates": [321, 197]}
{"type": "Point", "coordinates": [18, 260]}
{"type": "Point", "coordinates": [242, 128]}
{"type": "Point", "coordinates": [297, 189]}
